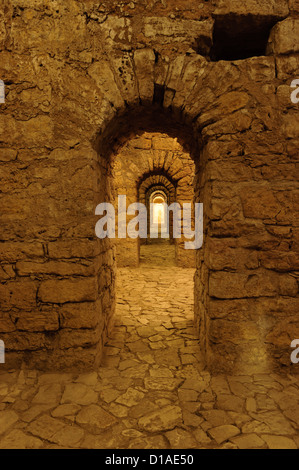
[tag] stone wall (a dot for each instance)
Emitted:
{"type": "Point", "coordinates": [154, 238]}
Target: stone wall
{"type": "Point", "coordinates": [137, 166]}
{"type": "Point", "coordinates": [82, 78]}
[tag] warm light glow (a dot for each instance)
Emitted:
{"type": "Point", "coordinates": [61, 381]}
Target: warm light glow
{"type": "Point", "coordinates": [158, 212]}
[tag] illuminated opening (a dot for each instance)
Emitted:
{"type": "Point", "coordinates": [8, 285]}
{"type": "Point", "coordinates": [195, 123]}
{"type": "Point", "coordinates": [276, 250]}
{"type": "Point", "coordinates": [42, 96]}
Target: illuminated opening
{"type": "Point", "coordinates": [159, 210]}
{"type": "Point", "coordinates": [158, 201]}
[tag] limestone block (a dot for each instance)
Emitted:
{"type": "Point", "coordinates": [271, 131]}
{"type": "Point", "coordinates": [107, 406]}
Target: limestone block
{"type": "Point", "coordinates": [126, 79]}
{"type": "Point", "coordinates": [73, 248]}
{"type": "Point", "coordinates": [23, 340]}
{"type": "Point", "coordinates": [284, 37]}
{"type": "Point", "coordinates": [59, 268]}
{"type": "Point", "coordinates": [19, 294]}
{"type": "Point", "coordinates": [172, 80]}
{"type": "Point", "coordinates": [222, 254]}
{"type": "Point", "coordinates": [283, 96]}
{"type": "Point", "coordinates": [37, 129]}
{"type": "Point", "coordinates": [169, 30]}
{"type": "Point", "coordinates": [226, 104]}
{"type": "Point", "coordinates": [259, 203]}
{"type": "Point", "coordinates": [288, 285]}
{"type": "Point", "coordinates": [278, 8]}
{"type": "Point", "coordinates": [242, 332]}
{"type": "Point", "coordinates": [78, 338]}
{"type": "Point", "coordinates": [7, 155]}
{"type": "Point", "coordinates": [287, 67]}
{"type": "Point", "coordinates": [215, 150]}
{"type": "Point", "coordinates": [280, 260]}
{"type": "Point", "coordinates": [291, 125]}
{"type": "Point", "coordinates": [193, 71]}
{"type": "Point", "coordinates": [61, 291]}
{"type": "Point", "coordinates": [6, 324]}
{"type": "Point", "coordinates": [117, 32]}
{"type": "Point", "coordinates": [239, 121]}
{"type": "Point", "coordinates": [142, 142]}
{"type": "Point", "coordinates": [259, 69]}
{"type": "Point", "coordinates": [225, 285]}
{"type": "Point", "coordinates": [161, 70]}
{"type": "Point", "coordinates": [103, 76]}
{"type": "Point", "coordinates": [276, 422]}
{"type": "Point", "coordinates": [81, 315]}
{"type": "Point", "coordinates": [13, 251]}
{"type": "Point", "coordinates": [163, 143]}
{"type": "Point", "coordinates": [144, 60]}
{"type": "Point", "coordinates": [216, 418]}
{"type": "Point", "coordinates": [36, 320]}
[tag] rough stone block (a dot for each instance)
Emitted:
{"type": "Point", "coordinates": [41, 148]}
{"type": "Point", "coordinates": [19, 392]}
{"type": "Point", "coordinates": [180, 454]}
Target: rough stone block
{"type": "Point", "coordinates": [259, 203]}
{"type": "Point", "coordinates": [19, 294]}
{"type": "Point", "coordinates": [6, 323]}
{"type": "Point", "coordinates": [59, 268]}
{"type": "Point", "coordinates": [36, 320]}
{"type": "Point", "coordinates": [284, 37]}
{"type": "Point", "coordinates": [144, 62]}
{"type": "Point", "coordinates": [24, 340]}
{"type": "Point", "coordinates": [27, 133]}
{"type": "Point", "coordinates": [78, 338]}
{"type": "Point", "coordinates": [169, 30]}
{"type": "Point", "coordinates": [103, 76]}
{"type": "Point", "coordinates": [7, 155]}
{"type": "Point", "coordinates": [73, 249]}
{"type": "Point", "coordinates": [13, 251]}
{"type": "Point", "coordinates": [225, 285]}
{"type": "Point", "coordinates": [61, 291]}
{"type": "Point", "coordinates": [291, 126]}
{"type": "Point", "coordinates": [278, 8]}
{"type": "Point", "coordinates": [80, 315]}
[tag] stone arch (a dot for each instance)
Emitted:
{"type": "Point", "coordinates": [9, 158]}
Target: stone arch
{"type": "Point", "coordinates": [212, 118]}
{"type": "Point", "coordinates": [153, 119]}
{"type": "Point", "coordinates": [156, 180]}
{"type": "Point", "coordinates": [151, 184]}
{"type": "Point", "coordinates": [152, 158]}
{"type": "Point", "coordinates": [197, 109]}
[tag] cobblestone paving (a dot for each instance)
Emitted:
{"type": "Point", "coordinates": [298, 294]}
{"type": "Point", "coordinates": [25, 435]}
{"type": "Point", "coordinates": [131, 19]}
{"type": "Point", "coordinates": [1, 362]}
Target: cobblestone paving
{"type": "Point", "coordinates": [151, 390]}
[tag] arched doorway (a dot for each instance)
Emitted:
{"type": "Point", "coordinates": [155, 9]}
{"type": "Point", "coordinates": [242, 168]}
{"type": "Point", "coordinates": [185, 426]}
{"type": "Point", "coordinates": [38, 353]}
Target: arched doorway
{"type": "Point", "coordinates": [154, 162]}
{"type": "Point", "coordinates": [149, 163]}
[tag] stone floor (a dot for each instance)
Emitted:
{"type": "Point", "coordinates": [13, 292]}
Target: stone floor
{"type": "Point", "coordinates": [151, 390]}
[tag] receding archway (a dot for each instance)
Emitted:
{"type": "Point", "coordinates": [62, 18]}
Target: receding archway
{"type": "Point", "coordinates": [156, 136]}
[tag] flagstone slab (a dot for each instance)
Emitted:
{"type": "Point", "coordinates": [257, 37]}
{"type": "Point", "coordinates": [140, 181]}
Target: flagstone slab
{"type": "Point", "coordinates": [161, 420]}
{"type": "Point", "coordinates": [223, 433]}
{"type": "Point", "coordinates": [95, 419]}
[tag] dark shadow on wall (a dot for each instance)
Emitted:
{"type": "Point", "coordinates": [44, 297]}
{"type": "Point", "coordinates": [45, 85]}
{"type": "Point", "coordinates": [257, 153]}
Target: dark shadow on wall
{"type": "Point", "coordinates": [149, 119]}
{"type": "Point", "coordinates": [238, 37]}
